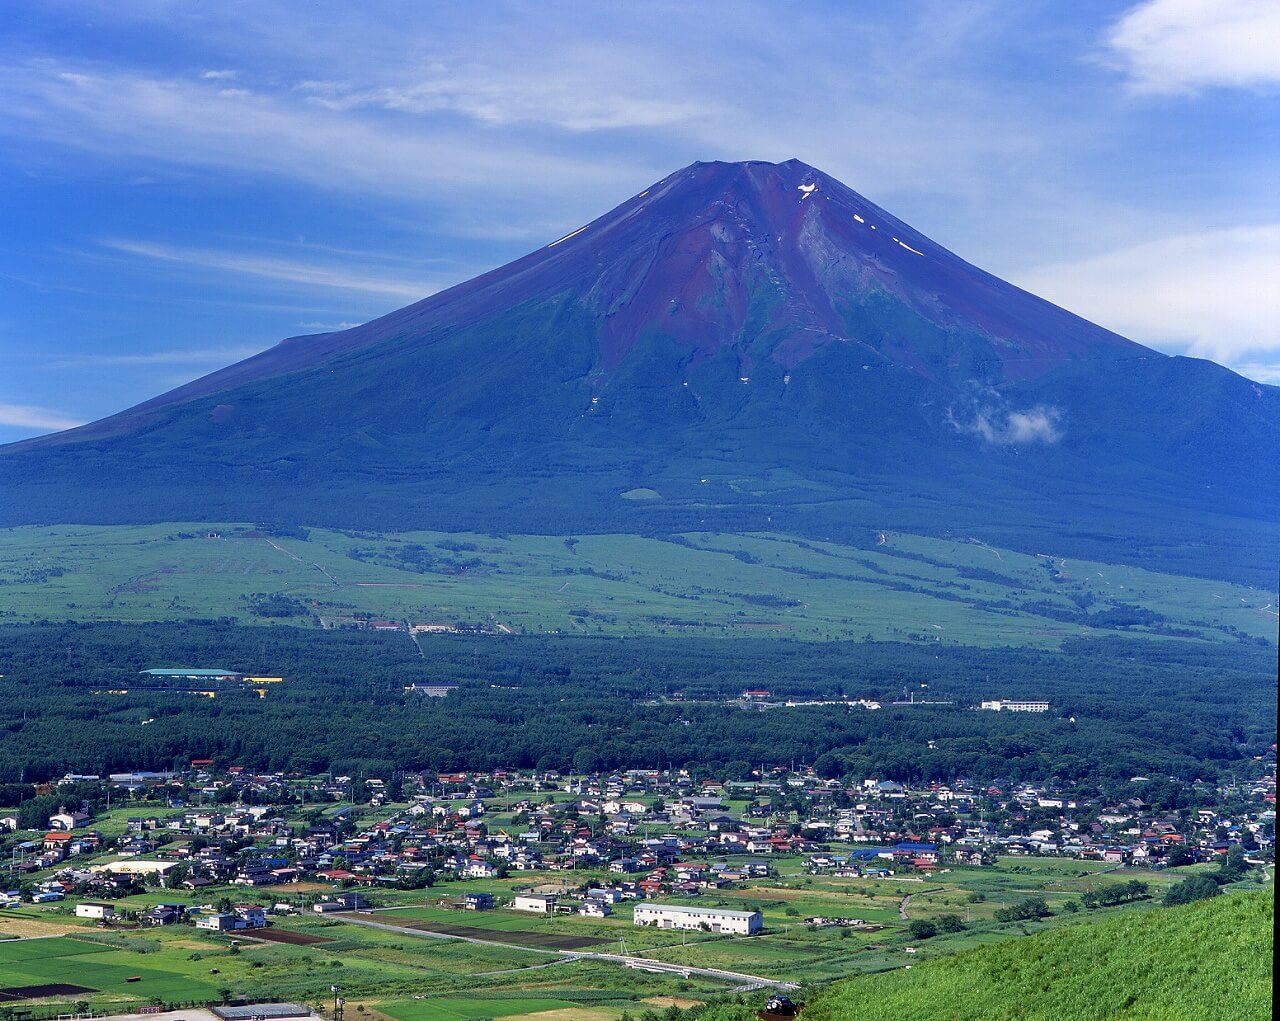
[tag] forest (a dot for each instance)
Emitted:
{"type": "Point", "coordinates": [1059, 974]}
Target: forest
{"type": "Point", "coordinates": [1118, 707]}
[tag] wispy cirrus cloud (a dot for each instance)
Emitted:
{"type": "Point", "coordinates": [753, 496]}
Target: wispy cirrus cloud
{"type": "Point", "coordinates": [27, 416]}
{"type": "Point", "coordinates": [119, 113]}
{"type": "Point", "coordinates": [249, 264]}
{"type": "Point", "coordinates": [177, 356]}
{"type": "Point", "coordinates": [576, 87]}
{"type": "Point", "coordinates": [1171, 46]}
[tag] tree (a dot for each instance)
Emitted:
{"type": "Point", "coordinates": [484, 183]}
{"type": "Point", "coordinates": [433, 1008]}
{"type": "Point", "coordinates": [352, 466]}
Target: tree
{"type": "Point", "coordinates": [1234, 867]}
{"type": "Point", "coordinates": [1191, 889]}
{"type": "Point", "coordinates": [1027, 910]}
{"type": "Point", "coordinates": [950, 923]}
{"type": "Point", "coordinates": [922, 929]}
{"type": "Point", "coordinates": [1179, 856]}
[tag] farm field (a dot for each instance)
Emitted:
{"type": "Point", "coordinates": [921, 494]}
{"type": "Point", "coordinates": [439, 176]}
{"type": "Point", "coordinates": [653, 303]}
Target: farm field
{"type": "Point", "coordinates": [460, 1009]}
{"type": "Point", "coordinates": [900, 586]}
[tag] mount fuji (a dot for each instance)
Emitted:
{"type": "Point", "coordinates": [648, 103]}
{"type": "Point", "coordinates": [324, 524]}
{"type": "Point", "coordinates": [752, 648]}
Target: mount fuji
{"type": "Point", "coordinates": [741, 346]}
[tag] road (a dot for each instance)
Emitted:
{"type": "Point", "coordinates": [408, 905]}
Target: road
{"type": "Point", "coordinates": [627, 961]}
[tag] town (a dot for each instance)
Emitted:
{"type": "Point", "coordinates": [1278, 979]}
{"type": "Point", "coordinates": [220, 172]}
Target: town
{"type": "Point", "coordinates": [837, 875]}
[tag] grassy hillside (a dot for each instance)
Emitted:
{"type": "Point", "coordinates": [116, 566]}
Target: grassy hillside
{"type": "Point", "coordinates": [1211, 960]}
{"type": "Point", "coordinates": [896, 587]}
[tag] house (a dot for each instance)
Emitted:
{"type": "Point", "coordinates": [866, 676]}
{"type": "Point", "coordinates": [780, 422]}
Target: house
{"type": "Point", "coordinates": [101, 912]}
{"type": "Point", "coordinates": [67, 821]}
{"type": "Point", "coordinates": [594, 908]}
{"type": "Point", "coordinates": [477, 901]}
{"type": "Point", "coordinates": [222, 921]}
{"type": "Point", "coordinates": [537, 905]}
{"type": "Point", "coordinates": [478, 868]}
{"type": "Point", "coordinates": [253, 916]}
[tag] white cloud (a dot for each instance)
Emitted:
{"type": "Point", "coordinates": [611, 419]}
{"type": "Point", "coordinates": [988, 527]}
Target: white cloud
{"type": "Point", "coordinates": [1214, 294]}
{"type": "Point", "coordinates": [579, 87]}
{"type": "Point", "coordinates": [1186, 45]}
{"type": "Point", "coordinates": [129, 116]}
{"type": "Point", "coordinates": [989, 418]}
{"type": "Point", "coordinates": [309, 274]}
{"type": "Point", "coordinates": [327, 327]}
{"type": "Point", "coordinates": [190, 356]}
{"type": "Point", "coordinates": [26, 416]}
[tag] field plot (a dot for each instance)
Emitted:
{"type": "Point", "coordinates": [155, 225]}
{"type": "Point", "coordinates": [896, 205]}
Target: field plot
{"type": "Point", "coordinates": [499, 928]}
{"type": "Point", "coordinates": [450, 1009]}
{"type": "Point", "coordinates": [33, 924]}
{"type": "Point", "coordinates": [906, 586]}
{"type": "Point", "coordinates": [298, 939]}
{"type": "Point", "coordinates": [43, 990]}
{"type": "Point", "coordinates": [97, 968]}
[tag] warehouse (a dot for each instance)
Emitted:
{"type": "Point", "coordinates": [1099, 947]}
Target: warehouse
{"type": "Point", "coordinates": [670, 916]}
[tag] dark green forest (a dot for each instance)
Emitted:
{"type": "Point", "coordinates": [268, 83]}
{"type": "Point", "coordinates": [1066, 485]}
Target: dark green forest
{"type": "Point", "coordinates": [1119, 708]}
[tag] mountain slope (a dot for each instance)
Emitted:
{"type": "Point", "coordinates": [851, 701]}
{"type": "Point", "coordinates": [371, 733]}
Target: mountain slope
{"type": "Point", "coordinates": [757, 344]}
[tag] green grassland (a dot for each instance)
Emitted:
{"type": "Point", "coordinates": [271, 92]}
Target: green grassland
{"type": "Point", "coordinates": [899, 587]}
{"type": "Point", "coordinates": [1210, 961]}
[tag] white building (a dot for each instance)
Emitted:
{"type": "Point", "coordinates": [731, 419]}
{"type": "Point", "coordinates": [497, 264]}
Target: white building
{"type": "Point", "coordinates": [1004, 705]}
{"type": "Point", "coordinates": [670, 916]}
{"type": "Point", "coordinates": [98, 911]}
{"type": "Point", "coordinates": [538, 905]}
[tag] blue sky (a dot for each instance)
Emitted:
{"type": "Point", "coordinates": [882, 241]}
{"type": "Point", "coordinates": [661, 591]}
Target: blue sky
{"type": "Point", "coordinates": [184, 184]}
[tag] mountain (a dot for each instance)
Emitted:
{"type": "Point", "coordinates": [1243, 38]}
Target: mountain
{"type": "Point", "coordinates": [742, 346]}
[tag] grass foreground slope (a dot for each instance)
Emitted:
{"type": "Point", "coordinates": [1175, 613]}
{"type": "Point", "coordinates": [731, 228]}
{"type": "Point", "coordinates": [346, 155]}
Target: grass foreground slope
{"type": "Point", "coordinates": [1206, 961]}
{"type": "Point", "coordinates": [1210, 960]}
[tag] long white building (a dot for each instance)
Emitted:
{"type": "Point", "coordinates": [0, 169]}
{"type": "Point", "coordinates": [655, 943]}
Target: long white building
{"type": "Point", "coordinates": [671, 916]}
{"type": "Point", "coordinates": [1004, 705]}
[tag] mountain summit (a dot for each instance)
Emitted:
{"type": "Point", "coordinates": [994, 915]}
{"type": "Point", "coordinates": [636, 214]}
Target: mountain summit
{"type": "Point", "coordinates": [745, 345]}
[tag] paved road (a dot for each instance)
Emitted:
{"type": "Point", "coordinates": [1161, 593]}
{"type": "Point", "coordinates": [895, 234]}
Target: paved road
{"type": "Point", "coordinates": [736, 977]}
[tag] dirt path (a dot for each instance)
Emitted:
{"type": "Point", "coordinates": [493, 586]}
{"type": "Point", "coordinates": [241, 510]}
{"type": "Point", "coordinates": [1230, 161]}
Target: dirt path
{"type": "Point", "coordinates": [902, 907]}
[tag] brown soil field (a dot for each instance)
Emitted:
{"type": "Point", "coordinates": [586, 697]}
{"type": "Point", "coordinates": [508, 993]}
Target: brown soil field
{"type": "Point", "coordinates": [47, 989]}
